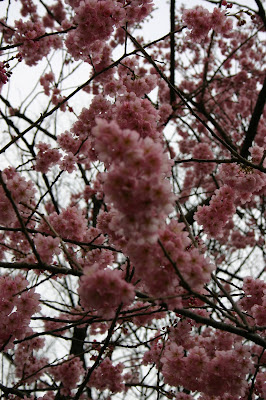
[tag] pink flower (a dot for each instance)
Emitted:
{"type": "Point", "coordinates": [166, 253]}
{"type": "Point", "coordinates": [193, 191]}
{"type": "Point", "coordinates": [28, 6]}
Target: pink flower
{"type": "Point", "coordinates": [108, 376]}
{"type": "Point", "coordinates": [104, 291]}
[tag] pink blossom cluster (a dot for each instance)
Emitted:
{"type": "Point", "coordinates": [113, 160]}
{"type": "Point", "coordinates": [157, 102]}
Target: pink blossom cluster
{"type": "Point", "coordinates": [68, 163]}
{"type": "Point", "coordinates": [46, 157]}
{"type": "Point", "coordinates": [69, 224]}
{"type": "Point", "coordinates": [29, 366]}
{"type": "Point", "coordinates": [194, 267]}
{"type": "Point", "coordinates": [137, 10]}
{"type": "Point", "coordinates": [46, 81]}
{"type": "Point", "coordinates": [6, 33]}
{"type": "Point", "coordinates": [203, 151]}
{"type": "Point", "coordinates": [28, 7]}
{"type": "Point", "coordinates": [22, 191]}
{"type": "Point", "coordinates": [165, 111]}
{"type": "Point", "coordinates": [95, 189]}
{"type": "Point", "coordinates": [240, 241]}
{"type": "Point", "coordinates": [106, 222]}
{"type": "Point", "coordinates": [114, 87]}
{"type": "Point", "coordinates": [3, 74]}
{"type": "Point", "coordinates": [156, 349]}
{"type": "Point", "coordinates": [225, 372]}
{"type": "Point", "coordinates": [104, 290]}
{"type": "Point", "coordinates": [149, 260]}
{"type": "Point", "coordinates": [59, 13]}
{"type": "Point", "coordinates": [129, 112]}
{"type": "Point", "coordinates": [254, 301]}
{"type": "Point", "coordinates": [214, 363]}
{"type": "Point", "coordinates": [69, 372]}
{"type": "Point", "coordinates": [47, 247]}
{"type": "Point", "coordinates": [135, 79]}
{"type": "Point", "coordinates": [17, 305]}
{"type": "Point", "coordinates": [97, 258]}
{"type": "Point", "coordinates": [34, 50]}
{"type": "Point", "coordinates": [260, 386]}
{"type": "Point", "coordinates": [79, 138]}
{"type": "Point", "coordinates": [108, 376]}
{"type": "Point", "coordinates": [257, 154]}
{"type": "Point", "coordinates": [244, 180]}
{"type": "Point", "coordinates": [135, 182]}
{"type": "Point", "coordinates": [94, 236]}
{"type": "Point", "coordinates": [138, 115]}
{"type": "Point", "coordinates": [21, 248]}
{"type": "Point", "coordinates": [7, 214]}
{"type": "Point", "coordinates": [68, 143]}
{"type": "Point", "coordinates": [201, 21]}
{"type": "Point", "coordinates": [71, 146]}
{"type": "Point", "coordinates": [215, 216]}
{"type": "Point", "coordinates": [95, 21]}
{"type": "Point", "coordinates": [57, 99]}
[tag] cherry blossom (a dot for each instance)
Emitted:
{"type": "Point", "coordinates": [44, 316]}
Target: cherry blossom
{"type": "Point", "coordinates": [132, 200]}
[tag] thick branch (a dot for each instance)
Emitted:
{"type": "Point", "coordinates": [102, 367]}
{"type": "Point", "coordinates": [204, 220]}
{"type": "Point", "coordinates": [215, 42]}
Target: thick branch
{"type": "Point", "coordinates": [41, 267]}
{"type": "Point", "coordinates": [261, 12]}
{"type": "Point", "coordinates": [253, 125]}
{"type": "Point", "coordinates": [172, 52]}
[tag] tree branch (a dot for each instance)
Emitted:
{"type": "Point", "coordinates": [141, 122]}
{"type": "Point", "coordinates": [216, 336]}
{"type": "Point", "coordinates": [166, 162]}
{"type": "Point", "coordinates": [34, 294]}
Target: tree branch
{"type": "Point", "coordinates": [253, 125]}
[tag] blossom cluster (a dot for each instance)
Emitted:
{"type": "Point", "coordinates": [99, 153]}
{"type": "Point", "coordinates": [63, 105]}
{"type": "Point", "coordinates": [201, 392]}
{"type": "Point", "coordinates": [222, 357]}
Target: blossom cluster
{"type": "Point", "coordinates": [3, 74]}
{"type": "Point", "coordinates": [129, 112]}
{"type": "Point", "coordinates": [245, 180]}
{"type": "Point", "coordinates": [47, 247]}
{"type": "Point", "coordinates": [29, 365]}
{"type": "Point", "coordinates": [214, 363]}
{"type": "Point", "coordinates": [69, 224]}
{"type": "Point", "coordinates": [17, 305]}
{"type": "Point", "coordinates": [135, 183]}
{"type": "Point", "coordinates": [201, 21]}
{"type": "Point", "coordinates": [138, 115]}
{"type": "Point", "coordinates": [133, 79]}
{"type": "Point", "coordinates": [69, 372]}
{"type": "Point", "coordinates": [46, 157]}
{"type": "Point", "coordinates": [108, 376]}
{"type": "Point", "coordinates": [95, 22]}
{"type": "Point", "coordinates": [254, 301]}
{"type": "Point", "coordinates": [104, 290]}
{"type": "Point", "coordinates": [46, 81]}
{"type": "Point", "coordinates": [21, 190]}
{"type": "Point", "coordinates": [214, 216]}
{"type": "Point", "coordinates": [57, 11]}
{"type": "Point", "coordinates": [240, 241]}
{"type": "Point", "coordinates": [35, 45]}
{"type": "Point", "coordinates": [203, 151]}
{"type": "Point", "coordinates": [149, 260]}
{"type": "Point", "coordinates": [131, 268]}
{"type": "Point", "coordinates": [79, 139]}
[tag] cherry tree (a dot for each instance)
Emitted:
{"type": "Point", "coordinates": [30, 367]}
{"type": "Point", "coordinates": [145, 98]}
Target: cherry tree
{"type": "Point", "coordinates": [132, 201]}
